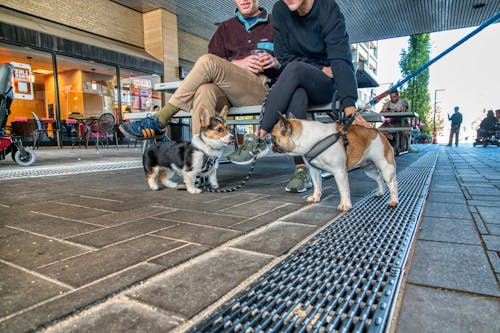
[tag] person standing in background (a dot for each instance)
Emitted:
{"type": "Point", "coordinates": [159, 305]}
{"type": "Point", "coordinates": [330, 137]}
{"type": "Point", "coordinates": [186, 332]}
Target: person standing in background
{"type": "Point", "coordinates": [456, 121]}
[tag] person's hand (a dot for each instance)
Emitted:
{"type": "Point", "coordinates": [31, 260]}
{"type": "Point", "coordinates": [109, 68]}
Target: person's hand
{"type": "Point", "coordinates": [268, 61]}
{"type": "Point", "coordinates": [328, 71]}
{"type": "Point", "coordinates": [251, 63]}
{"type": "Point", "coordinates": [359, 120]}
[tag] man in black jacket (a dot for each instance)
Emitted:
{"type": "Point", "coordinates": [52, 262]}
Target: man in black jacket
{"type": "Point", "coordinates": [456, 121]}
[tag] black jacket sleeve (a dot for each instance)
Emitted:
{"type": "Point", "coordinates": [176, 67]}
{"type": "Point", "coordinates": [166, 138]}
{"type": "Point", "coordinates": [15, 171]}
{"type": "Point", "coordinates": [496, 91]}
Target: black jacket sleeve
{"type": "Point", "coordinates": [339, 55]}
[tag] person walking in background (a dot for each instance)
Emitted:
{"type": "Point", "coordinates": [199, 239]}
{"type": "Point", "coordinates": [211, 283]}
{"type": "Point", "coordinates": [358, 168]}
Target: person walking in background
{"type": "Point", "coordinates": [313, 47]}
{"type": "Point", "coordinates": [456, 121]}
{"type": "Point", "coordinates": [228, 75]}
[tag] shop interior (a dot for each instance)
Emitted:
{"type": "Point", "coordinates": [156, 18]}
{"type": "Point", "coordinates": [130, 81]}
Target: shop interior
{"type": "Point", "coordinates": [86, 91]}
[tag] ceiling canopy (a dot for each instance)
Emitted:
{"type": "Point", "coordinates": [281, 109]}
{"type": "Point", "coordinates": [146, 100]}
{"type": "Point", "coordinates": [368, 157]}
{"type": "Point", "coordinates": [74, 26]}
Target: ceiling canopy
{"type": "Point", "coordinates": [366, 20]}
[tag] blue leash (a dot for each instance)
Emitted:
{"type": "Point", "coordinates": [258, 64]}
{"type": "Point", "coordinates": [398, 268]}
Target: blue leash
{"type": "Point", "coordinates": [486, 23]}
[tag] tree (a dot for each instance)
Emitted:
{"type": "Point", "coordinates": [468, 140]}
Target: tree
{"type": "Point", "coordinates": [416, 91]}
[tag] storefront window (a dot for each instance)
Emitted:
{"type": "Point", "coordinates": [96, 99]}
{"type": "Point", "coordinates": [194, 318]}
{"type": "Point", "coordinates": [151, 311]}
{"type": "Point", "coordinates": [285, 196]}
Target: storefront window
{"type": "Point", "coordinates": [33, 85]}
{"type": "Point", "coordinates": [137, 91]}
{"type": "Point", "coordinates": [86, 89]}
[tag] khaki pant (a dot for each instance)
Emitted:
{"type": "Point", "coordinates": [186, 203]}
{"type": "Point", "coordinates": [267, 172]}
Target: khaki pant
{"type": "Point", "coordinates": [215, 82]}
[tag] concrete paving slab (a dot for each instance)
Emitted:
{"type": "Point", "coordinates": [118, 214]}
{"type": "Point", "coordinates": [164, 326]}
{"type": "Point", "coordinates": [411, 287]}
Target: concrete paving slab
{"type": "Point", "coordinates": [490, 214]}
{"type": "Point", "coordinates": [252, 223]}
{"type": "Point", "coordinates": [483, 191]}
{"type": "Point", "coordinates": [73, 212]}
{"type": "Point", "coordinates": [253, 208]}
{"type": "Point", "coordinates": [31, 251]}
{"type": "Point", "coordinates": [446, 198]}
{"type": "Point", "coordinates": [200, 283]}
{"type": "Point", "coordinates": [128, 215]}
{"type": "Point", "coordinates": [16, 283]}
{"type": "Point", "coordinates": [75, 271]}
{"type": "Point", "coordinates": [451, 210]}
{"type": "Point", "coordinates": [59, 308]}
{"type": "Point", "coordinates": [180, 255]}
{"type": "Point", "coordinates": [494, 259]}
{"type": "Point", "coordinates": [446, 312]}
{"type": "Point", "coordinates": [122, 232]}
{"type": "Point", "coordinates": [276, 239]}
{"type": "Point", "coordinates": [483, 201]}
{"type": "Point", "coordinates": [49, 226]}
{"type": "Point", "coordinates": [453, 266]}
{"type": "Point", "coordinates": [202, 218]}
{"type": "Point", "coordinates": [492, 242]}
{"type": "Point", "coordinates": [199, 234]}
{"type": "Point", "coordinates": [449, 230]}
{"type": "Point", "coordinates": [494, 229]}
{"type": "Point", "coordinates": [119, 316]}
{"type": "Point", "coordinates": [315, 214]}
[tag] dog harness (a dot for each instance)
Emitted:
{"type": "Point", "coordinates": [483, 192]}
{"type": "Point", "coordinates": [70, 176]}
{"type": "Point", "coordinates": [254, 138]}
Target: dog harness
{"type": "Point", "coordinates": [330, 140]}
{"type": "Point", "coordinates": [208, 163]}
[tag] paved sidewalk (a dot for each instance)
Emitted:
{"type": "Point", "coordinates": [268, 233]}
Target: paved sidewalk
{"type": "Point", "coordinates": [97, 251]}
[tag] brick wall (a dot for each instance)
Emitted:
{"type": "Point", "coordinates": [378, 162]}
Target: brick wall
{"type": "Point", "coordinates": [100, 17]}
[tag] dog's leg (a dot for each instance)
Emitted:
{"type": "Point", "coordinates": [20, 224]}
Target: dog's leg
{"type": "Point", "coordinates": [342, 180]}
{"type": "Point", "coordinates": [371, 171]}
{"type": "Point", "coordinates": [388, 171]}
{"type": "Point", "coordinates": [317, 184]}
{"type": "Point", "coordinates": [152, 179]}
{"type": "Point", "coordinates": [189, 180]}
{"type": "Point", "coordinates": [212, 178]}
{"type": "Point", "coordinates": [165, 178]}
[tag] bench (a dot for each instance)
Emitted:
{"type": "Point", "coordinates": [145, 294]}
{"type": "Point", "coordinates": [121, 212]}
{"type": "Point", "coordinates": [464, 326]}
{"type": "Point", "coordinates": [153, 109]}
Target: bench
{"type": "Point", "coordinates": [317, 112]}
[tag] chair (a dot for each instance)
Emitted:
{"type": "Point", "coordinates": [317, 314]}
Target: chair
{"type": "Point", "coordinates": [39, 133]}
{"type": "Point", "coordinates": [104, 127]}
{"type": "Point", "coordinates": [70, 130]}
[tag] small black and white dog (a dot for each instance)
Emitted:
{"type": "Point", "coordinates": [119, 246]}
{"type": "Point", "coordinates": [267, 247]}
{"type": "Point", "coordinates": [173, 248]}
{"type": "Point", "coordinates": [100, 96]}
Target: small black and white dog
{"type": "Point", "coordinates": [189, 159]}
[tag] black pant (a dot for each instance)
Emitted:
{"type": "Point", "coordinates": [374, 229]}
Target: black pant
{"type": "Point", "coordinates": [300, 84]}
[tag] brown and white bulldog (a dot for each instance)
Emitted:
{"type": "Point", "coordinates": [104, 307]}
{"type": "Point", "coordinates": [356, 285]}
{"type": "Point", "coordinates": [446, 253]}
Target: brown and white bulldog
{"type": "Point", "coordinates": [367, 148]}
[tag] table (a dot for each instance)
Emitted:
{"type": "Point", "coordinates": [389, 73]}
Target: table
{"type": "Point", "coordinates": [85, 128]}
{"type": "Point", "coordinates": [401, 139]}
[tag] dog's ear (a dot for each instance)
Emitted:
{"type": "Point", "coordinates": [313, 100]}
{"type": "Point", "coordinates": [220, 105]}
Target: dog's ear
{"type": "Point", "coordinates": [204, 116]}
{"type": "Point", "coordinates": [291, 116]}
{"type": "Point", "coordinates": [284, 125]}
{"type": "Point", "coordinates": [223, 113]}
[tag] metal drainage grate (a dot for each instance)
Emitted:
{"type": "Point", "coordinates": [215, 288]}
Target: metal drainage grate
{"type": "Point", "coordinates": [67, 169]}
{"type": "Point", "coordinates": [345, 279]}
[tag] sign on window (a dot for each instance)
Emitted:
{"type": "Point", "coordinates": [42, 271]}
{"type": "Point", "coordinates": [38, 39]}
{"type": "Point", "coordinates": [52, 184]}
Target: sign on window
{"type": "Point", "coordinates": [22, 81]}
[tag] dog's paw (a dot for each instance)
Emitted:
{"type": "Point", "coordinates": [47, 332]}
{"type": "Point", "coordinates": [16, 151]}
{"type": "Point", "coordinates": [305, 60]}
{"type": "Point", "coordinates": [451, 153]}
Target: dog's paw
{"type": "Point", "coordinates": [154, 187]}
{"type": "Point", "coordinates": [392, 203]}
{"type": "Point", "coordinates": [194, 190]}
{"type": "Point", "coordinates": [379, 194]}
{"type": "Point", "coordinates": [344, 207]}
{"type": "Point", "coordinates": [313, 199]}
